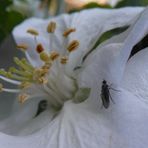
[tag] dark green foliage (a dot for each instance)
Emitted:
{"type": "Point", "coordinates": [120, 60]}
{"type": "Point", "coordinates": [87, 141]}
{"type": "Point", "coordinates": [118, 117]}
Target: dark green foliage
{"type": "Point", "coordinates": [90, 6]}
{"type": "Point", "coordinates": [95, 5]}
{"type": "Point", "coordinates": [8, 19]}
{"type": "Point", "coordinates": [132, 3]}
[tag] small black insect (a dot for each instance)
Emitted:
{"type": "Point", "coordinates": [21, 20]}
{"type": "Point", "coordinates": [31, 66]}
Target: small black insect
{"type": "Point", "coordinates": [105, 94]}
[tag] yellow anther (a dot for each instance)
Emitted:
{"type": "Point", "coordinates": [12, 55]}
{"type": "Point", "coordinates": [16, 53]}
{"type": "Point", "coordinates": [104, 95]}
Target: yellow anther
{"type": "Point", "coordinates": [68, 32]}
{"type": "Point", "coordinates": [23, 97]}
{"type": "Point", "coordinates": [22, 47]}
{"type": "Point", "coordinates": [39, 48]}
{"type": "Point", "coordinates": [1, 87]}
{"type": "Point", "coordinates": [47, 66]}
{"type": "Point", "coordinates": [32, 32]}
{"type": "Point", "coordinates": [51, 27]}
{"type": "Point", "coordinates": [44, 56]}
{"type": "Point", "coordinates": [73, 46]}
{"type": "Point", "coordinates": [39, 75]}
{"type": "Point", "coordinates": [64, 60]}
{"type": "Point", "coordinates": [25, 85]}
{"type": "Point", "coordinates": [42, 80]}
{"type": "Point", "coordinates": [54, 55]}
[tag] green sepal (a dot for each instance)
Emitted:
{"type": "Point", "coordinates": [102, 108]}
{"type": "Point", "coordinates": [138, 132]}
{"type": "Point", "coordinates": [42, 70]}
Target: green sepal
{"type": "Point", "coordinates": [81, 95]}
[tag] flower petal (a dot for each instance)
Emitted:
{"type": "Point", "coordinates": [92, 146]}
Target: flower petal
{"type": "Point", "coordinates": [141, 28]}
{"type": "Point", "coordinates": [19, 116]}
{"type": "Point", "coordinates": [135, 75]}
{"type": "Point", "coordinates": [130, 39]}
{"type": "Point", "coordinates": [78, 124]}
{"type": "Point", "coordinates": [91, 24]}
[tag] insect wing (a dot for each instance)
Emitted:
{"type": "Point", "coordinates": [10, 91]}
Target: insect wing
{"type": "Point", "coordinates": [105, 97]}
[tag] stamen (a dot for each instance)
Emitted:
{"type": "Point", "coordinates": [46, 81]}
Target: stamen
{"type": "Point", "coordinates": [25, 85]}
{"type": "Point", "coordinates": [44, 56]}
{"type": "Point", "coordinates": [10, 81]}
{"type": "Point", "coordinates": [64, 60]}
{"type": "Point", "coordinates": [39, 75]}
{"type": "Point", "coordinates": [43, 80]}
{"type": "Point", "coordinates": [68, 32]}
{"type": "Point", "coordinates": [11, 90]}
{"type": "Point", "coordinates": [22, 47]}
{"type": "Point", "coordinates": [23, 97]}
{"type": "Point", "coordinates": [73, 45]}
{"type": "Point", "coordinates": [33, 32]}
{"type": "Point", "coordinates": [39, 48]}
{"type": "Point", "coordinates": [47, 66]}
{"type": "Point", "coordinates": [51, 27]}
{"type": "Point", "coordinates": [13, 76]}
{"type": "Point", "coordinates": [54, 55]}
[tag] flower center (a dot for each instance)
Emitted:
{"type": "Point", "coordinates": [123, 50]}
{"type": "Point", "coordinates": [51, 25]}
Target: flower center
{"type": "Point", "coordinates": [50, 78]}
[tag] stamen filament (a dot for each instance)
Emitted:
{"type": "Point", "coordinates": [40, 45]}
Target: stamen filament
{"type": "Point", "coordinates": [11, 90]}
{"type": "Point", "coordinates": [10, 81]}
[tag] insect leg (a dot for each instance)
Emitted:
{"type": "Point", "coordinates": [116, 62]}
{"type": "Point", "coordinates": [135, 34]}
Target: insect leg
{"type": "Point", "coordinates": [111, 98]}
{"type": "Point", "coordinates": [114, 89]}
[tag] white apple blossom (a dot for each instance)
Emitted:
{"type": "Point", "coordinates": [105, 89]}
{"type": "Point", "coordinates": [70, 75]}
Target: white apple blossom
{"type": "Point", "coordinates": [74, 117]}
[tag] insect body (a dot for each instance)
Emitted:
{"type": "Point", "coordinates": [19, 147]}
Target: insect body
{"type": "Point", "coordinates": [105, 94]}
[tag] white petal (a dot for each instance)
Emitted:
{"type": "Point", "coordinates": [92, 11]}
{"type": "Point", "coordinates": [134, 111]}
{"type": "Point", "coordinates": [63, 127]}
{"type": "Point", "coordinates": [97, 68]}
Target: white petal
{"type": "Point", "coordinates": [91, 24]}
{"type": "Point", "coordinates": [128, 39]}
{"type": "Point", "coordinates": [138, 31]}
{"type": "Point", "coordinates": [99, 65]}
{"type": "Point", "coordinates": [135, 77]}
{"type": "Point", "coordinates": [82, 126]}
{"type": "Point", "coordinates": [19, 116]}
{"type": "Point", "coordinates": [140, 27]}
